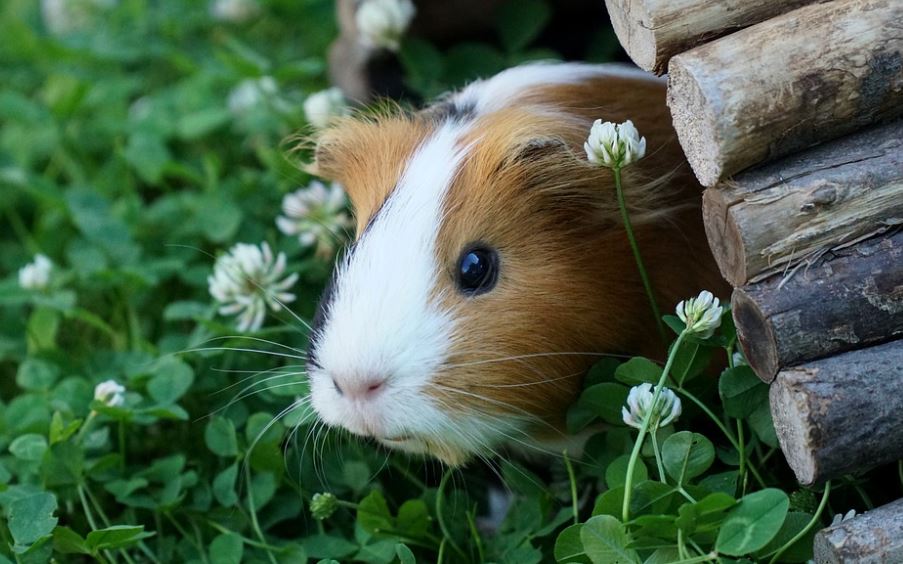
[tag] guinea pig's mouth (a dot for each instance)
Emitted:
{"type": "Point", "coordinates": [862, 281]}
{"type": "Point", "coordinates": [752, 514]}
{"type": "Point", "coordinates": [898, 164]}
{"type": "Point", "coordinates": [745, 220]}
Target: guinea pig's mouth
{"type": "Point", "coordinates": [447, 453]}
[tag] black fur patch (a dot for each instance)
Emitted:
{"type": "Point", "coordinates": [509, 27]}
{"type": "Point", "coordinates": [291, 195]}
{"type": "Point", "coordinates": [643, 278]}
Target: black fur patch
{"type": "Point", "coordinates": [451, 111]}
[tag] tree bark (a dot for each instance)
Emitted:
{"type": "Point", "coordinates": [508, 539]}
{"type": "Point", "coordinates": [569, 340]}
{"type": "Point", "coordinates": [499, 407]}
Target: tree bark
{"type": "Point", "coordinates": [840, 414]}
{"type": "Point", "coordinates": [772, 89]}
{"type": "Point", "coordinates": [851, 299]}
{"type": "Point", "coordinates": [778, 215]}
{"type": "Point", "coordinates": [653, 31]}
{"type": "Point", "coordinates": [871, 538]}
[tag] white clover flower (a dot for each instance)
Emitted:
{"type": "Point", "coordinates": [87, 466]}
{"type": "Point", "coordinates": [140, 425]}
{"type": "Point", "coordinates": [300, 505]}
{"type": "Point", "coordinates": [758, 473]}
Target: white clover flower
{"type": "Point", "coordinates": [321, 107]}
{"type": "Point", "coordinates": [250, 93]}
{"type": "Point", "coordinates": [702, 314]}
{"type": "Point", "coordinates": [317, 215]}
{"type": "Point", "coordinates": [382, 23]}
{"type": "Point", "coordinates": [246, 280]}
{"type": "Point", "coordinates": [110, 392]}
{"type": "Point", "coordinates": [234, 11]}
{"type": "Point", "coordinates": [36, 274]}
{"type": "Point", "coordinates": [614, 145]}
{"type": "Point", "coordinates": [639, 403]}
{"type": "Point", "coordinates": [65, 16]}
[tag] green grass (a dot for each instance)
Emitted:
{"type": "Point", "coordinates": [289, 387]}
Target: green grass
{"type": "Point", "coordinates": [121, 160]}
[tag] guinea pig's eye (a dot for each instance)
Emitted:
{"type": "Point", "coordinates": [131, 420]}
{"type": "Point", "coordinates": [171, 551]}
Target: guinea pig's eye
{"type": "Point", "coordinates": [477, 270]}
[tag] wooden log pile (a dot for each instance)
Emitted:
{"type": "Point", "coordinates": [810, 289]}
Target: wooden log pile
{"type": "Point", "coordinates": [790, 114]}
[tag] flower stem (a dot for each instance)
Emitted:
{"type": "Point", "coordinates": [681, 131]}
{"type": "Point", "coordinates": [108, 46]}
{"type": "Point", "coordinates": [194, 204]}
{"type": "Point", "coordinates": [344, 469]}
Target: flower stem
{"type": "Point", "coordinates": [808, 527]}
{"type": "Point", "coordinates": [638, 445]}
{"type": "Point", "coordinates": [475, 534]}
{"type": "Point", "coordinates": [85, 425]}
{"type": "Point", "coordinates": [625, 217]}
{"type": "Point", "coordinates": [440, 517]}
{"type": "Point", "coordinates": [573, 480]}
{"type": "Point", "coordinates": [658, 457]}
{"type": "Point", "coordinates": [741, 482]}
{"type": "Point", "coordinates": [102, 555]}
{"type": "Point", "coordinates": [122, 445]}
{"type": "Point", "coordinates": [252, 509]}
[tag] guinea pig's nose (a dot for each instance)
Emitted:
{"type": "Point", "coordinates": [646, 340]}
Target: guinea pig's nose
{"type": "Point", "coordinates": [364, 388]}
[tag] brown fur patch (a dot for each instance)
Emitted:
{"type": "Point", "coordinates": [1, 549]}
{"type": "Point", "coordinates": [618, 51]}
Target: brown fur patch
{"type": "Point", "coordinates": [568, 287]}
{"type": "Point", "coordinates": [367, 155]}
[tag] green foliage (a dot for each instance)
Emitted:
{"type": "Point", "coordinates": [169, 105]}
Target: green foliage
{"type": "Point", "coordinates": [695, 496]}
{"type": "Point", "coordinates": [122, 159]}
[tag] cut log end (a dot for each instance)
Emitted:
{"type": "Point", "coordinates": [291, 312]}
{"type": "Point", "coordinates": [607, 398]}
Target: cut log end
{"type": "Point", "coordinates": [792, 430]}
{"type": "Point", "coordinates": [695, 122]}
{"type": "Point", "coordinates": [756, 336]}
{"type": "Point", "coordinates": [725, 237]}
{"type": "Point", "coordinates": [630, 23]}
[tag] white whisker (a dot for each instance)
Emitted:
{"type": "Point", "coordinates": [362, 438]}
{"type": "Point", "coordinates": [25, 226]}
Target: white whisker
{"type": "Point", "coordinates": [236, 349]}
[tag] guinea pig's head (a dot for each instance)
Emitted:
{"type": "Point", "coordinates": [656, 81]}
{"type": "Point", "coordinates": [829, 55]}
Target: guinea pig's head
{"type": "Point", "coordinates": [485, 277]}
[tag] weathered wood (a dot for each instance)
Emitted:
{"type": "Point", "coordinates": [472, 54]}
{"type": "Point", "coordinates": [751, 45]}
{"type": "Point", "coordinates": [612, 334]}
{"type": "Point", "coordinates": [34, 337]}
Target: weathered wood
{"type": "Point", "coordinates": [775, 216]}
{"type": "Point", "coordinates": [840, 414]}
{"type": "Point", "coordinates": [772, 89]}
{"type": "Point", "coordinates": [875, 537]}
{"type": "Point", "coordinates": [653, 31]}
{"type": "Point", "coordinates": [851, 298]}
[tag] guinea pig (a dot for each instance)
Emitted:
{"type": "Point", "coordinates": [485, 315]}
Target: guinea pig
{"type": "Point", "coordinates": [490, 268]}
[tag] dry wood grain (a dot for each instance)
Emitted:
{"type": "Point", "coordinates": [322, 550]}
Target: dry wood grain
{"type": "Point", "coordinates": [785, 84]}
{"type": "Point", "coordinates": [840, 414]}
{"type": "Point", "coordinates": [653, 31]}
{"type": "Point", "coordinates": [773, 217]}
{"type": "Point", "coordinates": [851, 298]}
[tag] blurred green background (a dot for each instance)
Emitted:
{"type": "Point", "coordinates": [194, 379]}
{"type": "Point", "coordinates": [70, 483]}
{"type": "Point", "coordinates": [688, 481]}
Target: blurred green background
{"type": "Point", "coordinates": [139, 140]}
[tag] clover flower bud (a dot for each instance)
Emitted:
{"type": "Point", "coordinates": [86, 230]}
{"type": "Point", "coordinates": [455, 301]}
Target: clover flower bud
{"type": "Point", "coordinates": [251, 93]}
{"type": "Point", "coordinates": [322, 107]}
{"type": "Point", "coordinates": [316, 214]}
{"type": "Point", "coordinates": [639, 405]}
{"type": "Point", "coordinates": [234, 11]}
{"type": "Point", "coordinates": [246, 280]}
{"type": "Point", "coordinates": [614, 145]}
{"type": "Point", "coordinates": [62, 17]}
{"type": "Point", "coordinates": [382, 23]}
{"type": "Point", "coordinates": [36, 274]}
{"type": "Point", "coordinates": [702, 314]}
{"type": "Point", "coordinates": [323, 505]}
{"type": "Point", "coordinates": [110, 392]}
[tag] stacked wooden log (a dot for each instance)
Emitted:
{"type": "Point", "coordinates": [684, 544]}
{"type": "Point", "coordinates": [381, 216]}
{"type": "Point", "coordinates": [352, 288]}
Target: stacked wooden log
{"type": "Point", "coordinates": [789, 113]}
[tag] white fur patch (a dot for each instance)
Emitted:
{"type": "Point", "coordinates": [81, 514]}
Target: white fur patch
{"type": "Point", "coordinates": [383, 320]}
{"type": "Point", "coordinates": [502, 90]}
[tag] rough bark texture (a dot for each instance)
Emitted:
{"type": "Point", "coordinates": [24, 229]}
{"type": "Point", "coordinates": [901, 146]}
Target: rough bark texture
{"type": "Point", "coordinates": [653, 31]}
{"type": "Point", "coordinates": [851, 299]}
{"type": "Point", "coordinates": [875, 537]}
{"type": "Point", "coordinates": [785, 84]}
{"type": "Point", "coordinates": [775, 216]}
{"type": "Point", "coordinates": [840, 414]}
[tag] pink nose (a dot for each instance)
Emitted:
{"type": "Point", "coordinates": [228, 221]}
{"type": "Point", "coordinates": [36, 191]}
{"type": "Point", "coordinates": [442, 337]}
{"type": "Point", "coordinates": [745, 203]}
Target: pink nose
{"type": "Point", "coordinates": [366, 388]}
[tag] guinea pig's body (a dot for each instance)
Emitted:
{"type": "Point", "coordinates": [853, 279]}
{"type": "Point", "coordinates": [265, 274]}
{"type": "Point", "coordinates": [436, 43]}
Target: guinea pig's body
{"type": "Point", "coordinates": [490, 268]}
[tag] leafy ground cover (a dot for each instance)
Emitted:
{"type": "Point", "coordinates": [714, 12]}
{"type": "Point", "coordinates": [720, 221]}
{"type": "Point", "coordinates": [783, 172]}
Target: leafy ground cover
{"type": "Point", "coordinates": [139, 141]}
